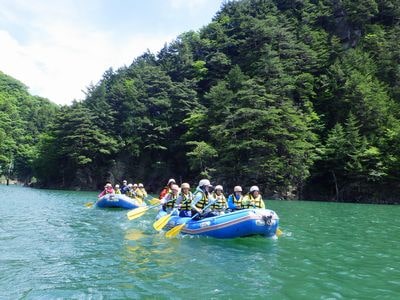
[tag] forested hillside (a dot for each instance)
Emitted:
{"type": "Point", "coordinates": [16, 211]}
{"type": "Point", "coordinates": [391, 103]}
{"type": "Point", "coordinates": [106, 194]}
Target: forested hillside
{"type": "Point", "coordinates": [22, 119]}
{"type": "Point", "coordinates": [299, 97]}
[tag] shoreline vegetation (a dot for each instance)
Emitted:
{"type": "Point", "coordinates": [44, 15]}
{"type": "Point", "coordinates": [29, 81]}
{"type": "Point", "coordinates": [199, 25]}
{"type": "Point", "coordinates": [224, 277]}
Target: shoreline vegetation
{"type": "Point", "coordinates": [300, 99]}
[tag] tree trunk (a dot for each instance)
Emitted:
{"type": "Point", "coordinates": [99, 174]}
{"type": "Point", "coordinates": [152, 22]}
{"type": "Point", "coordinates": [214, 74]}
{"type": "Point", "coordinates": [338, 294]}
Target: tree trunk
{"type": "Point", "coordinates": [336, 186]}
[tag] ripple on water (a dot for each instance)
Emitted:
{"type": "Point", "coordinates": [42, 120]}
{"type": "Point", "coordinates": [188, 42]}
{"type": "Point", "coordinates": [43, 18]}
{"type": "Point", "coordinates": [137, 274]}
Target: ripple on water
{"type": "Point", "coordinates": [52, 246]}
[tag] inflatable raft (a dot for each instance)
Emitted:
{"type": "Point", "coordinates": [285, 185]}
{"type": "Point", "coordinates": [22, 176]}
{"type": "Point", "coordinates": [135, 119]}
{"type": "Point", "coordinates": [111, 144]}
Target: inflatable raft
{"type": "Point", "coordinates": [117, 201]}
{"type": "Point", "coordinates": [240, 223]}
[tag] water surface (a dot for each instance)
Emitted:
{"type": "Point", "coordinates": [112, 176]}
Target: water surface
{"type": "Point", "coordinates": [52, 246]}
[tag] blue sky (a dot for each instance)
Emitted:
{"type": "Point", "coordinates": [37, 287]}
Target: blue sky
{"type": "Point", "coordinates": [58, 47]}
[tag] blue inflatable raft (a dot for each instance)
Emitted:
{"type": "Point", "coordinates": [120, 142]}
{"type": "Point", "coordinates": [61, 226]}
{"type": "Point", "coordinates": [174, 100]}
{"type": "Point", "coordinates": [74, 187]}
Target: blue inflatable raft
{"type": "Point", "coordinates": [117, 201]}
{"type": "Point", "coordinates": [240, 223]}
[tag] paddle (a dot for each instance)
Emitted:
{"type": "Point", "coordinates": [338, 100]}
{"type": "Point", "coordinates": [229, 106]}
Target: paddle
{"type": "Point", "coordinates": [177, 229]}
{"type": "Point", "coordinates": [279, 232]}
{"type": "Point", "coordinates": [138, 212]}
{"type": "Point", "coordinates": [161, 222]}
{"type": "Point", "coordinates": [89, 204]}
{"type": "Point", "coordinates": [154, 201]}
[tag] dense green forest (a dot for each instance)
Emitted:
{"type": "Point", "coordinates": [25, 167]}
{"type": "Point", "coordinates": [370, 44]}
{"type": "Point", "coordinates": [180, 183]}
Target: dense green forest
{"type": "Point", "coordinates": [23, 118]}
{"type": "Point", "coordinates": [298, 96]}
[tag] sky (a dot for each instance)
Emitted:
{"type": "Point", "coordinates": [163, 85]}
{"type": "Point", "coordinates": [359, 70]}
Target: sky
{"type": "Point", "coordinates": [59, 47]}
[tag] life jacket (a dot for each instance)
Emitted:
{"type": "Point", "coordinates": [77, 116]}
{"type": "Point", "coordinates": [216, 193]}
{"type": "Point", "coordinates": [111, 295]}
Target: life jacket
{"type": "Point", "coordinates": [117, 191]}
{"type": "Point", "coordinates": [237, 202]}
{"type": "Point", "coordinates": [171, 201]}
{"type": "Point", "coordinates": [143, 191]}
{"type": "Point", "coordinates": [250, 199]}
{"type": "Point", "coordinates": [220, 202]}
{"type": "Point", "coordinates": [139, 194]}
{"type": "Point", "coordinates": [204, 200]}
{"type": "Point", "coordinates": [109, 191]}
{"type": "Point", "coordinates": [186, 201]}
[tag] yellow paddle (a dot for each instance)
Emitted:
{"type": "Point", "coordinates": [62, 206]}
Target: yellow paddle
{"type": "Point", "coordinates": [279, 232]}
{"type": "Point", "coordinates": [154, 201]}
{"type": "Point", "coordinates": [138, 212]}
{"type": "Point", "coordinates": [174, 231]}
{"type": "Point", "coordinates": [89, 204]}
{"type": "Point", "coordinates": [161, 222]}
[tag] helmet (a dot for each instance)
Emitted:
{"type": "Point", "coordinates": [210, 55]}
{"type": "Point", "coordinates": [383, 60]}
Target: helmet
{"type": "Point", "coordinates": [204, 182]}
{"type": "Point", "coordinates": [219, 187]}
{"type": "Point", "coordinates": [117, 186]}
{"type": "Point", "coordinates": [130, 185]}
{"type": "Point", "coordinates": [175, 187]}
{"type": "Point", "coordinates": [185, 185]}
{"type": "Point", "coordinates": [124, 181]}
{"type": "Point", "coordinates": [135, 185]}
{"type": "Point", "coordinates": [108, 185]}
{"type": "Point", "coordinates": [254, 188]}
{"type": "Point", "coordinates": [140, 185]}
{"type": "Point", "coordinates": [171, 181]}
{"type": "Point", "coordinates": [237, 188]}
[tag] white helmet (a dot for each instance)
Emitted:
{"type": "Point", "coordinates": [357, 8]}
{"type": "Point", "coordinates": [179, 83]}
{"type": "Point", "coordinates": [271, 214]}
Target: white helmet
{"type": "Point", "coordinates": [135, 185]}
{"type": "Point", "coordinates": [175, 187]}
{"type": "Point", "coordinates": [219, 187]}
{"type": "Point", "coordinates": [140, 185]}
{"type": "Point", "coordinates": [185, 185]}
{"type": "Point", "coordinates": [117, 186]}
{"type": "Point", "coordinates": [130, 185]}
{"type": "Point", "coordinates": [204, 182]}
{"type": "Point", "coordinates": [237, 188]}
{"type": "Point", "coordinates": [171, 181]}
{"type": "Point", "coordinates": [254, 188]}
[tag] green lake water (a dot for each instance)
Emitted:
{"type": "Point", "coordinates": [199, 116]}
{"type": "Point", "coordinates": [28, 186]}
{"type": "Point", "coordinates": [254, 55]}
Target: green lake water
{"type": "Point", "coordinates": [52, 246]}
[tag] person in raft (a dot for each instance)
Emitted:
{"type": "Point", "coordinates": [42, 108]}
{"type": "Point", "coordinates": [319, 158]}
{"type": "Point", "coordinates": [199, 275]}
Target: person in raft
{"type": "Point", "coordinates": [116, 189]}
{"type": "Point", "coordinates": [168, 202]}
{"type": "Point", "coordinates": [220, 204]}
{"type": "Point", "coordinates": [201, 199]}
{"type": "Point", "coordinates": [167, 188]}
{"type": "Point", "coordinates": [253, 199]}
{"type": "Point", "coordinates": [184, 201]}
{"type": "Point", "coordinates": [108, 189]}
{"type": "Point", "coordinates": [124, 187]}
{"type": "Point", "coordinates": [141, 192]}
{"type": "Point", "coordinates": [130, 192]}
{"type": "Point", "coordinates": [235, 199]}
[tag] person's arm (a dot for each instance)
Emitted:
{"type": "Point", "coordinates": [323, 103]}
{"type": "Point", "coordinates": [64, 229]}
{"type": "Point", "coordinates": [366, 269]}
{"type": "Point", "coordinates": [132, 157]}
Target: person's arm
{"type": "Point", "coordinates": [224, 203]}
{"type": "Point", "coordinates": [231, 204]}
{"type": "Point", "coordinates": [165, 199]}
{"type": "Point", "coordinates": [178, 201]}
{"type": "Point", "coordinates": [262, 203]}
{"type": "Point", "coordinates": [102, 194]}
{"type": "Point", "coordinates": [246, 201]}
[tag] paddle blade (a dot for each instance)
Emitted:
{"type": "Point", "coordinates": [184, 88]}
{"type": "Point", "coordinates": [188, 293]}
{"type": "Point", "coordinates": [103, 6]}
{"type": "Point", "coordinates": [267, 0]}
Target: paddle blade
{"type": "Point", "coordinates": [161, 222]}
{"type": "Point", "coordinates": [136, 213]}
{"type": "Point", "coordinates": [174, 231]}
{"type": "Point", "coordinates": [89, 204]}
{"type": "Point", "coordinates": [279, 232]}
{"type": "Point", "coordinates": [154, 201]}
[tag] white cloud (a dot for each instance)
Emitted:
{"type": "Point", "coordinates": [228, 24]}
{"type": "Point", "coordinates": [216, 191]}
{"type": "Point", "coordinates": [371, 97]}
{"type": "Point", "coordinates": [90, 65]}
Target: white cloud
{"type": "Point", "coordinates": [189, 4]}
{"type": "Point", "coordinates": [62, 56]}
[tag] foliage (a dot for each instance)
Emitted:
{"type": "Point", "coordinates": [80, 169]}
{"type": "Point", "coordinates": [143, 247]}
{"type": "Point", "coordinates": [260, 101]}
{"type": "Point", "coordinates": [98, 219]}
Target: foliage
{"type": "Point", "coordinates": [299, 97]}
{"type": "Point", "coordinates": [22, 118]}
